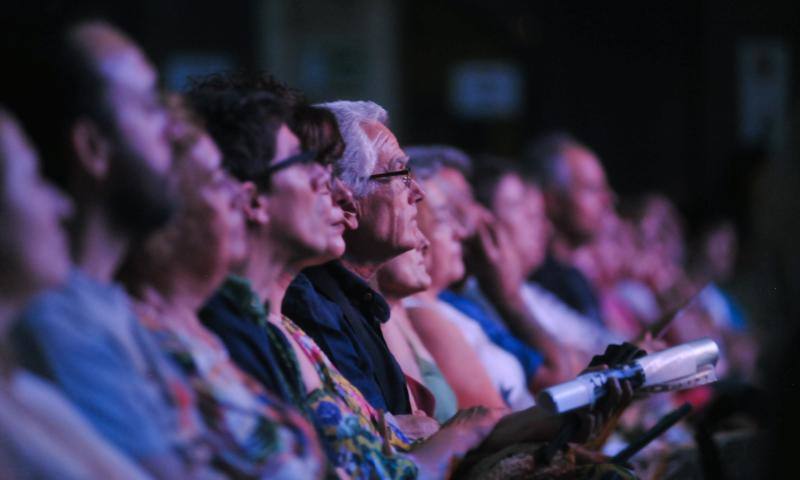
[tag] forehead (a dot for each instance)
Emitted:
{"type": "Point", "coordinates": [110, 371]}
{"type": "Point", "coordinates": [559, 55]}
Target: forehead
{"type": "Point", "coordinates": [435, 197]}
{"type": "Point", "coordinates": [583, 164]}
{"type": "Point", "coordinates": [510, 185]}
{"type": "Point", "coordinates": [384, 140]}
{"type": "Point", "coordinates": [16, 153]}
{"type": "Point", "coordinates": [455, 179]}
{"type": "Point", "coordinates": [120, 62]}
{"type": "Point", "coordinates": [206, 154]}
{"type": "Point", "coordinates": [286, 144]}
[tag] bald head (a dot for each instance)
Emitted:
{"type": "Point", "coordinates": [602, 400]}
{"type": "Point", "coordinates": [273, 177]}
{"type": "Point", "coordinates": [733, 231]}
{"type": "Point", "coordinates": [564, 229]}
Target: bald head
{"type": "Point", "coordinates": [577, 195]}
{"type": "Point", "coordinates": [111, 55]}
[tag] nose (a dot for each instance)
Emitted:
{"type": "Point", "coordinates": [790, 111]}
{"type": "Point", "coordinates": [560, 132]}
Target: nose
{"type": "Point", "coordinates": [64, 206]}
{"type": "Point", "coordinates": [342, 195]}
{"type": "Point", "coordinates": [237, 193]}
{"type": "Point", "coordinates": [459, 230]}
{"type": "Point", "coordinates": [417, 193]}
{"type": "Point", "coordinates": [424, 243]}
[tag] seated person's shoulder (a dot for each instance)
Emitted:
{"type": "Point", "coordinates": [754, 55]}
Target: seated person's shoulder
{"type": "Point", "coordinates": [305, 306]}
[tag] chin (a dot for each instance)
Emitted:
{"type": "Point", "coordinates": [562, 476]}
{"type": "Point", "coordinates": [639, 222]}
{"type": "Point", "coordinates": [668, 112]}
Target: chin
{"type": "Point", "coordinates": [52, 275]}
{"type": "Point", "coordinates": [336, 249]}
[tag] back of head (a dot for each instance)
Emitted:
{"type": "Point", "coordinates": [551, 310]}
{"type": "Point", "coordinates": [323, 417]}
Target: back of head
{"type": "Point", "coordinates": [489, 172]}
{"type": "Point", "coordinates": [544, 160]}
{"type": "Point", "coordinates": [360, 156]}
{"type": "Point", "coordinates": [55, 82]}
{"type": "Point", "coordinates": [243, 121]}
{"type": "Point", "coordinates": [317, 130]}
{"type": "Point", "coordinates": [427, 160]}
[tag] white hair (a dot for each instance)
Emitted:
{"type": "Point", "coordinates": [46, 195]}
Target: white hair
{"type": "Point", "coordinates": [358, 160]}
{"type": "Point", "coordinates": [427, 160]}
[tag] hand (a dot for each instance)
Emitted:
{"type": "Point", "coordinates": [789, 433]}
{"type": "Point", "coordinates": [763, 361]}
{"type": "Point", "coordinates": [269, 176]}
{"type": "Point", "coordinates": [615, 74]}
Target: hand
{"type": "Point", "coordinates": [416, 426]}
{"type": "Point", "coordinates": [493, 261]}
{"type": "Point", "coordinates": [650, 344]}
{"type": "Point", "coordinates": [462, 433]}
{"type": "Point", "coordinates": [597, 422]}
{"type": "Point", "coordinates": [616, 355]}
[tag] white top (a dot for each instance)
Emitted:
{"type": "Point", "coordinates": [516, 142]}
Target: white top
{"type": "Point", "coordinates": [565, 324]}
{"type": "Point", "coordinates": [503, 368]}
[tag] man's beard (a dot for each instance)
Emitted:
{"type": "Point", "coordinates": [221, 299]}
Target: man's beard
{"type": "Point", "coordinates": [140, 199]}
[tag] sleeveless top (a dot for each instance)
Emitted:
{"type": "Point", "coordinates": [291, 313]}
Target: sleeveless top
{"type": "Point", "coordinates": [503, 368]}
{"type": "Point", "coordinates": [446, 401]}
{"type": "Point", "coordinates": [433, 379]}
{"type": "Point", "coordinates": [358, 439]}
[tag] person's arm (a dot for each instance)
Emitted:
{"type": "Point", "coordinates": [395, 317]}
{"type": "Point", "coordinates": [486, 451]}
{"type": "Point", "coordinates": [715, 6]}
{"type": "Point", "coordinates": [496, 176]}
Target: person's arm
{"type": "Point", "coordinates": [492, 260]}
{"type": "Point", "coordinates": [89, 371]}
{"type": "Point", "coordinates": [456, 358]}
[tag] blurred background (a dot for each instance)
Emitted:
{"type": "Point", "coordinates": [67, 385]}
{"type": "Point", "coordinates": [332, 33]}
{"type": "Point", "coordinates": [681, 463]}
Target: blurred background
{"type": "Point", "coordinates": [692, 98]}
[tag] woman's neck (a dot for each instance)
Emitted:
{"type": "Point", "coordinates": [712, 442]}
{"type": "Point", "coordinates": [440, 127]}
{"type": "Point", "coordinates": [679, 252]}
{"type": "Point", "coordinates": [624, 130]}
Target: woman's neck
{"type": "Point", "coordinates": [182, 292]}
{"type": "Point", "coordinates": [277, 290]}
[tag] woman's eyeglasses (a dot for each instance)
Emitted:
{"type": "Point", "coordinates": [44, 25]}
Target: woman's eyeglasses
{"type": "Point", "coordinates": [302, 158]}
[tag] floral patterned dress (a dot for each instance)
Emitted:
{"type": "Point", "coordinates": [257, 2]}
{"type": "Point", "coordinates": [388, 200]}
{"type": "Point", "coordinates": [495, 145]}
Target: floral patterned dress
{"type": "Point", "coordinates": [256, 435]}
{"type": "Point", "coordinates": [360, 440]}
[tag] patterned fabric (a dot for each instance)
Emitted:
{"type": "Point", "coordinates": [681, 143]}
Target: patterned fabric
{"type": "Point", "coordinates": [349, 425]}
{"type": "Point", "coordinates": [261, 438]}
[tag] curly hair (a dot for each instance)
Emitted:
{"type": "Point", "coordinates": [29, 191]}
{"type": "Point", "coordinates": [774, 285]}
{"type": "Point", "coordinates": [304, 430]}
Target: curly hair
{"type": "Point", "coordinates": [317, 130]}
{"type": "Point", "coordinates": [243, 117]}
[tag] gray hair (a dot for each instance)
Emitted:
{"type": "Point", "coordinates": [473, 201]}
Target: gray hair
{"type": "Point", "coordinates": [359, 157]}
{"type": "Point", "coordinates": [544, 160]}
{"type": "Point", "coordinates": [427, 160]}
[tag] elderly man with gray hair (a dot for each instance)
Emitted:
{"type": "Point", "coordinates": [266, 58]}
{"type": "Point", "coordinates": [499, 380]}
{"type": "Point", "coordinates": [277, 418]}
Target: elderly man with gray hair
{"type": "Point", "coordinates": [334, 303]}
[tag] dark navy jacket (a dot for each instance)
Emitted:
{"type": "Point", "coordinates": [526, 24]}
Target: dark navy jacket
{"type": "Point", "coordinates": [343, 315]}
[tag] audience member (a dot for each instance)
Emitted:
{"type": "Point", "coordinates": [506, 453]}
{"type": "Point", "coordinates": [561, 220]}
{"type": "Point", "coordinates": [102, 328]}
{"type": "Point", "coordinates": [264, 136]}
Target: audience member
{"type": "Point", "coordinates": [402, 276]}
{"type": "Point", "coordinates": [84, 335]}
{"type": "Point", "coordinates": [577, 197]}
{"type": "Point", "coordinates": [173, 273]}
{"type": "Point", "coordinates": [518, 204]}
{"type": "Point", "coordinates": [333, 303]}
{"type": "Point", "coordinates": [428, 313]}
{"type": "Point", "coordinates": [41, 434]}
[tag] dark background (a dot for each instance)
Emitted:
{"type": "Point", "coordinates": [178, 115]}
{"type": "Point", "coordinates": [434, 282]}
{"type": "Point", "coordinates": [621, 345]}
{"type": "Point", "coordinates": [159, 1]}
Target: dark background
{"type": "Point", "coordinates": [651, 86]}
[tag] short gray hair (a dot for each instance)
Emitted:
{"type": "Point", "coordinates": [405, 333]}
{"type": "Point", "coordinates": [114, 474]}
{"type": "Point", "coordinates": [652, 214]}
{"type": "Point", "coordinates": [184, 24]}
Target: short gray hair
{"type": "Point", "coordinates": [427, 160]}
{"type": "Point", "coordinates": [359, 157]}
{"type": "Point", "coordinates": [544, 159]}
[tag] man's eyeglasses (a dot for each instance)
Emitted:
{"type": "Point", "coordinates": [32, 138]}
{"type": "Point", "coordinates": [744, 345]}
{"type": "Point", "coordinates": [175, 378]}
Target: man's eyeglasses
{"type": "Point", "coordinates": [405, 174]}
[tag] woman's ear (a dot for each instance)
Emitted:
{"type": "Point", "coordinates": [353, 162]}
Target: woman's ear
{"type": "Point", "coordinates": [92, 148]}
{"type": "Point", "coordinates": [255, 205]}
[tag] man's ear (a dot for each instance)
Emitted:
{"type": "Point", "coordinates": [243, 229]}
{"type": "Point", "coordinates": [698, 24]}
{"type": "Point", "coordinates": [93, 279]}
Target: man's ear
{"type": "Point", "coordinates": [350, 210]}
{"type": "Point", "coordinates": [255, 204]}
{"type": "Point", "coordinates": [92, 148]}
